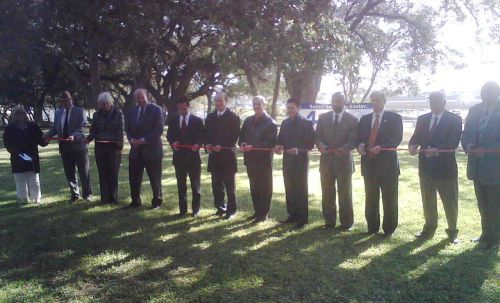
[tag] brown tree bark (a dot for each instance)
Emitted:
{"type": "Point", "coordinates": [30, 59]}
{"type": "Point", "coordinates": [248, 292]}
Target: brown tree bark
{"type": "Point", "coordinates": [276, 91]}
{"type": "Point", "coordinates": [304, 84]}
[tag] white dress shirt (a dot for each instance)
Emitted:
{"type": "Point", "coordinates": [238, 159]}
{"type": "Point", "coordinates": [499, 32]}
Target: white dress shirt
{"type": "Point", "coordinates": [434, 118]}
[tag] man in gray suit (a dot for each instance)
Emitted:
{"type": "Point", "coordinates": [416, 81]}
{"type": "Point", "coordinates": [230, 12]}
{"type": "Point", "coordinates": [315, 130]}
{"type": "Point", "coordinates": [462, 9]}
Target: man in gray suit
{"type": "Point", "coordinates": [438, 172]}
{"type": "Point", "coordinates": [336, 137]}
{"type": "Point", "coordinates": [482, 134]}
{"type": "Point", "coordinates": [69, 125]}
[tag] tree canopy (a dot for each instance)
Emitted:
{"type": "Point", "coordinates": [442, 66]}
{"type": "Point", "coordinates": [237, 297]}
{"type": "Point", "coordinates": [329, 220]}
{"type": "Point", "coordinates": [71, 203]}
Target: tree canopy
{"type": "Point", "coordinates": [189, 48]}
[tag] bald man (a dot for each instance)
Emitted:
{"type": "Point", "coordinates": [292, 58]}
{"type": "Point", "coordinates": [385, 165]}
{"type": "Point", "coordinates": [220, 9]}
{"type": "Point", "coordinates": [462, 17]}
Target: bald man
{"type": "Point", "coordinates": [222, 132]}
{"type": "Point", "coordinates": [482, 131]}
{"type": "Point", "coordinates": [438, 172]}
{"type": "Point", "coordinates": [144, 130]}
{"type": "Point", "coordinates": [380, 168]}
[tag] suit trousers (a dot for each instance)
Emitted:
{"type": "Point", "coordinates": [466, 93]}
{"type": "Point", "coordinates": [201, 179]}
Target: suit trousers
{"type": "Point", "coordinates": [261, 188]}
{"type": "Point", "coordinates": [136, 171]}
{"type": "Point", "coordinates": [73, 160]}
{"type": "Point", "coordinates": [344, 182]}
{"type": "Point", "coordinates": [295, 172]}
{"type": "Point", "coordinates": [108, 161]}
{"type": "Point", "coordinates": [388, 185]}
{"type": "Point", "coordinates": [182, 171]}
{"type": "Point", "coordinates": [220, 181]}
{"type": "Point", "coordinates": [488, 200]}
{"type": "Point", "coordinates": [448, 191]}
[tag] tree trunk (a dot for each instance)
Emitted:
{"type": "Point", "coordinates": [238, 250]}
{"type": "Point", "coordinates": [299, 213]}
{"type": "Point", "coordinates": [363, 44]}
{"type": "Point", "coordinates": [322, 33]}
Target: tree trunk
{"type": "Point", "coordinates": [303, 85]}
{"type": "Point", "coordinates": [276, 92]}
{"type": "Point", "coordinates": [251, 83]}
{"type": "Point", "coordinates": [95, 83]}
{"type": "Point", "coordinates": [38, 109]}
{"type": "Point", "coordinates": [209, 102]}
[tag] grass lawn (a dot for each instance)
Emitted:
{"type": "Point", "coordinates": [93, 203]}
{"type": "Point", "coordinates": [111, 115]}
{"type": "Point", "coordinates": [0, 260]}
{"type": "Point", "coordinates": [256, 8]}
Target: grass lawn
{"type": "Point", "coordinates": [87, 252]}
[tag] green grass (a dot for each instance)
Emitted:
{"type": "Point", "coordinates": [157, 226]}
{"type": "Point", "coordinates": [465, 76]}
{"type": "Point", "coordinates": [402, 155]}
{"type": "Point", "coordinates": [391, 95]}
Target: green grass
{"type": "Point", "coordinates": [87, 252]}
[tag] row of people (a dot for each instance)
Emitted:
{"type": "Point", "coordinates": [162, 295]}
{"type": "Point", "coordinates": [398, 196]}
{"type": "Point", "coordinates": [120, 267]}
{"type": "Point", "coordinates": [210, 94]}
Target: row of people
{"type": "Point", "coordinates": [376, 137]}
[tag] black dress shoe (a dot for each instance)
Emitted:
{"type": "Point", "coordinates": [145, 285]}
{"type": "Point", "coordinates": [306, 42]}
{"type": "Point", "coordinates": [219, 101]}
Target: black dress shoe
{"type": "Point", "coordinates": [252, 217]}
{"type": "Point", "coordinates": [132, 205]}
{"type": "Point", "coordinates": [73, 199]}
{"type": "Point", "coordinates": [288, 220]}
{"type": "Point", "coordinates": [344, 228]}
{"type": "Point", "coordinates": [259, 219]}
{"type": "Point", "coordinates": [229, 216]}
{"type": "Point", "coordinates": [220, 212]}
{"type": "Point", "coordinates": [300, 225]}
{"type": "Point", "coordinates": [479, 240]}
{"type": "Point", "coordinates": [387, 235]}
{"type": "Point", "coordinates": [181, 215]}
{"type": "Point", "coordinates": [328, 226]}
{"type": "Point", "coordinates": [424, 235]}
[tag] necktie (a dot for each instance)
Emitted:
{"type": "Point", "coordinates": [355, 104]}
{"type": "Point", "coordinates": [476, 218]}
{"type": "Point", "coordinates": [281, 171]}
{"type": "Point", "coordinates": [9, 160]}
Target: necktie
{"type": "Point", "coordinates": [65, 126]}
{"type": "Point", "coordinates": [184, 125]}
{"type": "Point", "coordinates": [432, 131]}
{"type": "Point", "coordinates": [482, 124]}
{"type": "Point", "coordinates": [336, 121]}
{"type": "Point", "coordinates": [373, 134]}
{"type": "Point", "coordinates": [141, 114]}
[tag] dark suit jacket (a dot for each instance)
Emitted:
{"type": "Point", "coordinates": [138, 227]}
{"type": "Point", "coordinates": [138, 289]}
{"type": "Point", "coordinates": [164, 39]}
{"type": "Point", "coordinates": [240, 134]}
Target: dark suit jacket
{"type": "Point", "coordinates": [76, 128]}
{"type": "Point", "coordinates": [296, 133]}
{"type": "Point", "coordinates": [23, 141]}
{"type": "Point", "coordinates": [223, 131]}
{"type": "Point", "coordinates": [390, 134]}
{"type": "Point", "coordinates": [194, 135]}
{"type": "Point", "coordinates": [447, 136]}
{"type": "Point", "coordinates": [259, 134]}
{"type": "Point", "coordinates": [345, 136]}
{"type": "Point", "coordinates": [485, 169]}
{"type": "Point", "coordinates": [150, 129]}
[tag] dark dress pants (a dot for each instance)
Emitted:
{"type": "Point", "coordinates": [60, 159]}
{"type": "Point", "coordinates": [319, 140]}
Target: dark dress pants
{"type": "Point", "coordinates": [295, 171]}
{"type": "Point", "coordinates": [108, 159]}
{"type": "Point", "coordinates": [261, 187]}
{"type": "Point", "coordinates": [224, 180]}
{"type": "Point", "coordinates": [136, 171]}
{"type": "Point", "coordinates": [73, 161]}
{"type": "Point", "coordinates": [182, 171]}
{"type": "Point", "coordinates": [388, 185]}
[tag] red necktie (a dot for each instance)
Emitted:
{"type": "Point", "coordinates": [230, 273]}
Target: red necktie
{"type": "Point", "coordinates": [373, 135]}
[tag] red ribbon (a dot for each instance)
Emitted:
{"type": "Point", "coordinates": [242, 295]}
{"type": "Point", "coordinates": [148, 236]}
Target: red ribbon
{"type": "Point", "coordinates": [270, 149]}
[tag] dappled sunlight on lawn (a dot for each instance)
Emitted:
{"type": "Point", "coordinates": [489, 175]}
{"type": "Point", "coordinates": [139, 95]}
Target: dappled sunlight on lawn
{"type": "Point", "coordinates": [87, 252]}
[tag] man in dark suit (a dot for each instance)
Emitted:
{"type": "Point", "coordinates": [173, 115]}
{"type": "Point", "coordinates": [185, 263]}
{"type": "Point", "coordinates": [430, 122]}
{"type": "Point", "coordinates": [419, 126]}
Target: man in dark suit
{"type": "Point", "coordinates": [438, 130]}
{"type": "Point", "coordinates": [337, 130]}
{"type": "Point", "coordinates": [378, 132]}
{"type": "Point", "coordinates": [295, 138]}
{"type": "Point", "coordinates": [222, 131]}
{"type": "Point", "coordinates": [259, 131]}
{"type": "Point", "coordinates": [186, 129]}
{"type": "Point", "coordinates": [69, 125]}
{"type": "Point", "coordinates": [144, 129]}
{"type": "Point", "coordinates": [482, 131]}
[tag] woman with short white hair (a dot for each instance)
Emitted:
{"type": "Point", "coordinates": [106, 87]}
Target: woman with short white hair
{"type": "Point", "coordinates": [107, 131]}
{"type": "Point", "coordinates": [21, 139]}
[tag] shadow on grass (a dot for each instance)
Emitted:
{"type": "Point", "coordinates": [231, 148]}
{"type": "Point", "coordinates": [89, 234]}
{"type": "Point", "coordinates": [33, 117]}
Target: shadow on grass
{"type": "Point", "coordinates": [93, 252]}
